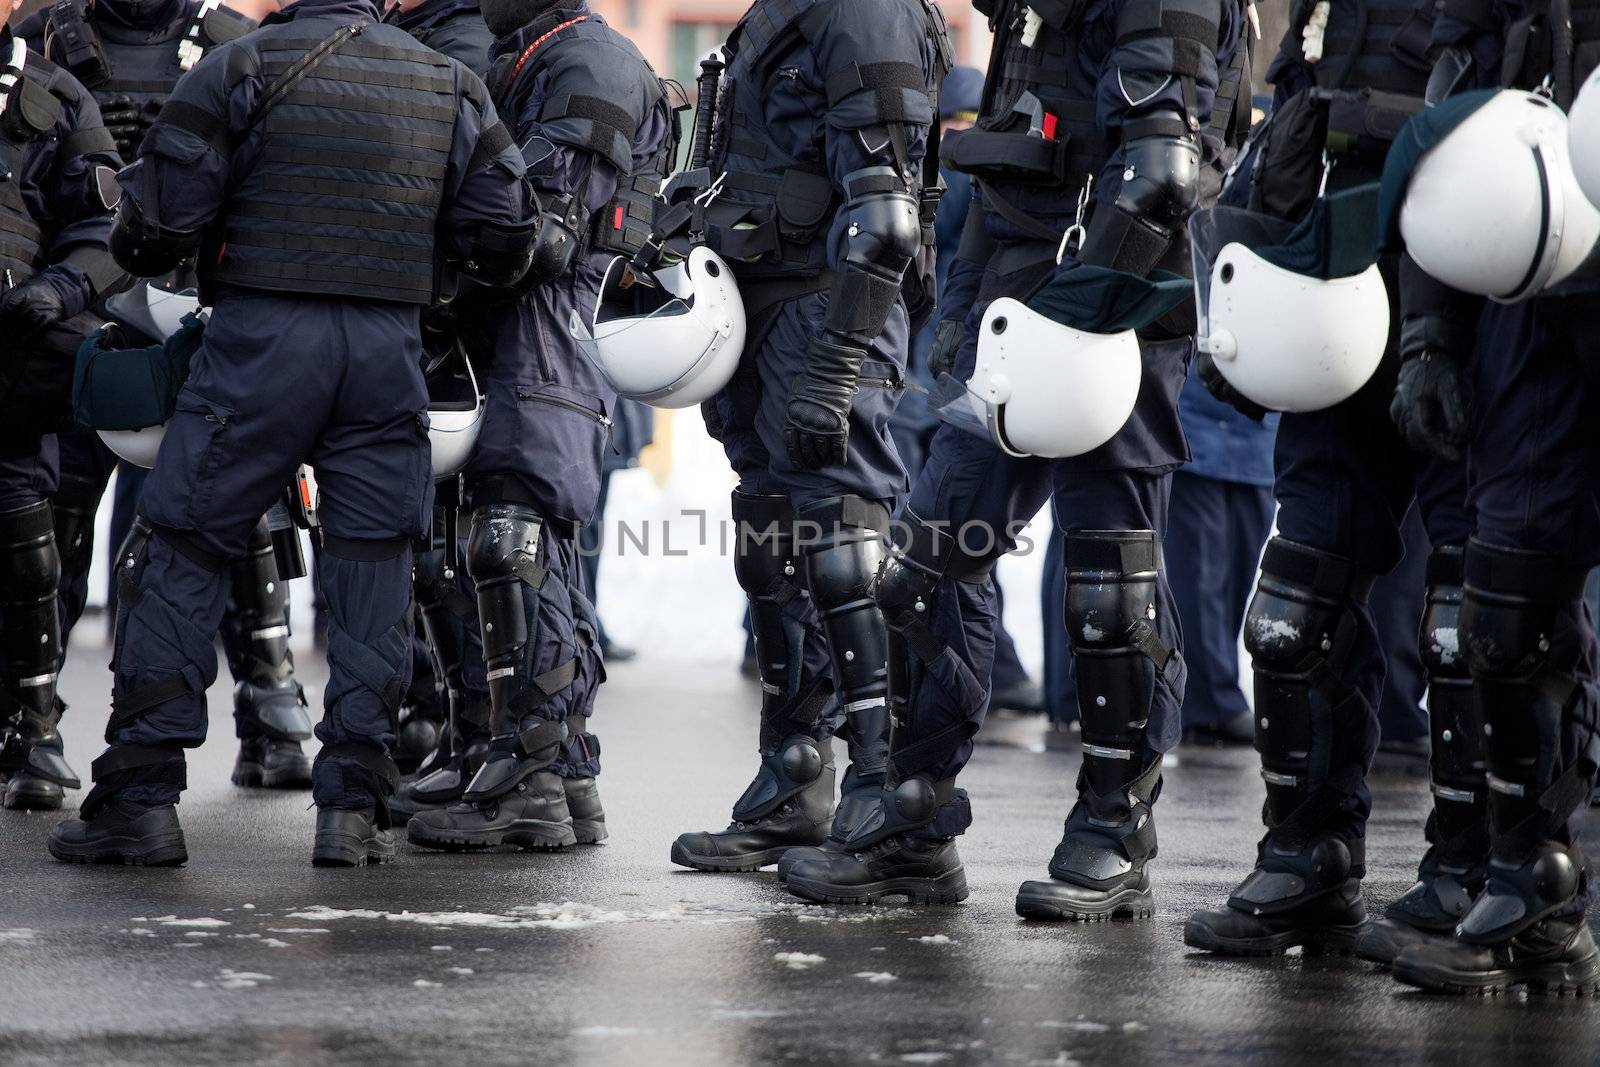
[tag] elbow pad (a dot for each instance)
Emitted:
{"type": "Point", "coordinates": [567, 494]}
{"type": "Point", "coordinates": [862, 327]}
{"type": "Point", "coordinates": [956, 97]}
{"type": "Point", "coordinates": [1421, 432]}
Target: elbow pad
{"type": "Point", "coordinates": [501, 255]}
{"type": "Point", "coordinates": [558, 240]}
{"type": "Point", "coordinates": [144, 249]}
{"type": "Point", "coordinates": [1160, 188]}
{"type": "Point", "coordinates": [883, 232]}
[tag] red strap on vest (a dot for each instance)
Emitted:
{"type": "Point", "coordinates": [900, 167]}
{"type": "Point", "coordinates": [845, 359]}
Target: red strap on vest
{"type": "Point", "coordinates": [522, 60]}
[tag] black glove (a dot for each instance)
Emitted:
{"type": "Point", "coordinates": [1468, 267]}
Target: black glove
{"type": "Point", "coordinates": [125, 120]}
{"type": "Point", "coordinates": [816, 427]}
{"type": "Point", "coordinates": [946, 343]}
{"type": "Point", "coordinates": [1223, 390]}
{"type": "Point", "coordinates": [30, 309]}
{"type": "Point", "coordinates": [1430, 405]}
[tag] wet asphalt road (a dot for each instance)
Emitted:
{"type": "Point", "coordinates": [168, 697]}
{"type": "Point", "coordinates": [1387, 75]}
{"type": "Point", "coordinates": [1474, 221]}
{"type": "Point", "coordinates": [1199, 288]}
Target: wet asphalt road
{"type": "Point", "coordinates": [611, 956]}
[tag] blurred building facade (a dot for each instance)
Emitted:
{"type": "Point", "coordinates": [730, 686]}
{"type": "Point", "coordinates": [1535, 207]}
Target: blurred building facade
{"type": "Point", "coordinates": [675, 34]}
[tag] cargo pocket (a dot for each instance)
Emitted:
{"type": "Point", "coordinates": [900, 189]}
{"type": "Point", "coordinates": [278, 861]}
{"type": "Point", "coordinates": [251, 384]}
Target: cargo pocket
{"type": "Point", "coordinates": [569, 429]}
{"type": "Point", "coordinates": [209, 450]}
{"type": "Point", "coordinates": [417, 514]}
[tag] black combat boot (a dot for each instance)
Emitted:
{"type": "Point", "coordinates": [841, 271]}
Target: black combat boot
{"type": "Point", "coordinates": [588, 817]}
{"type": "Point", "coordinates": [515, 799]}
{"type": "Point", "coordinates": [790, 803]}
{"type": "Point", "coordinates": [1429, 911]}
{"type": "Point", "coordinates": [444, 777]}
{"type": "Point", "coordinates": [1098, 870]}
{"type": "Point", "coordinates": [349, 838]}
{"type": "Point", "coordinates": [33, 768]}
{"type": "Point", "coordinates": [887, 853]}
{"type": "Point", "coordinates": [122, 832]}
{"type": "Point", "coordinates": [1308, 897]}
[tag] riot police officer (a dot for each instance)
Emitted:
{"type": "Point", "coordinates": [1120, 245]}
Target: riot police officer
{"type": "Point", "coordinates": [55, 211]}
{"type": "Point", "coordinates": [1525, 632]}
{"type": "Point", "coordinates": [1351, 74]}
{"type": "Point", "coordinates": [130, 53]}
{"type": "Point", "coordinates": [821, 201]}
{"type": "Point", "coordinates": [316, 168]}
{"type": "Point", "coordinates": [1089, 149]}
{"type": "Point", "coordinates": [596, 127]}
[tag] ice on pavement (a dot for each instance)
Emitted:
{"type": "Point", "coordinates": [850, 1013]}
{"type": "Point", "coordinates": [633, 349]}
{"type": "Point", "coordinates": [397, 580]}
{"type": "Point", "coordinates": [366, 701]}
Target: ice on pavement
{"type": "Point", "coordinates": [571, 915]}
{"type": "Point", "coordinates": [798, 961]}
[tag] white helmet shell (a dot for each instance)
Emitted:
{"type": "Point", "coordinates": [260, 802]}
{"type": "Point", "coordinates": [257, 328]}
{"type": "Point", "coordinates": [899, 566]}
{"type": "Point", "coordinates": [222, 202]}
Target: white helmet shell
{"type": "Point", "coordinates": [138, 447]}
{"type": "Point", "coordinates": [1495, 208]}
{"type": "Point", "coordinates": [1290, 342]}
{"type": "Point", "coordinates": [672, 345]}
{"type": "Point", "coordinates": [454, 426]}
{"type": "Point", "coordinates": [1583, 138]}
{"type": "Point", "coordinates": [1045, 389]}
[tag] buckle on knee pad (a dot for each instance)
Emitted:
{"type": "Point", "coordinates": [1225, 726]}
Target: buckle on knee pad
{"type": "Point", "coordinates": [1285, 878]}
{"type": "Point", "coordinates": [784, 772]}
{"type": "Point", "coordinates": [1517, 896]}
{"type": "Point", "coordinates": [910, 805]}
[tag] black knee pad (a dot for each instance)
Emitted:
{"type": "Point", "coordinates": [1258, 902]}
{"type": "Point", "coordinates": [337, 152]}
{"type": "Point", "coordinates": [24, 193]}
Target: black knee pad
{"type": "Point", "coordinates": [504, 553]}
{"type": "Point", "coordinates": [842, 544]}
{"type": "Point", "coordinates": [30, 563]}
{"type": "Point", "coordinates": [1299, 630]}
{"type": "Point", "coordinates": [1113, 578]}
{"type": "Point", "coordinates": [1519, 627]}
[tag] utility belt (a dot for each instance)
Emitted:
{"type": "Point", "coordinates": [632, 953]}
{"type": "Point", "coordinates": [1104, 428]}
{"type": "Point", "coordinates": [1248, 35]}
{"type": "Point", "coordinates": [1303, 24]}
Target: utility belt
{"type": "Point", "coordinates": [1364, 123]}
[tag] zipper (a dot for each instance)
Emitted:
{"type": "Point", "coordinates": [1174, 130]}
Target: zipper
{"type": "Point", "coordinates": [576, 408]}
{"type": "Point", "coordinates": [880, 383]}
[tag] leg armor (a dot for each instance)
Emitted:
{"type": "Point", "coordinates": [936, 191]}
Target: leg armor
{"type": "Point", "coordinates": [1112, 582]}
{"type": "Point", "coordinates": [1453, 870]}
{"type": "Point", "coordinates": [1310, 722]}
{"type": "Point", "coordinates": [444, 612]}
{"type": "Point", "coordinates": [76, 500]}
{"type": "Point", "coordinates": [266, 699]}
{"type": "Point", "coordinates": [793, 761]}
{"type": "Point", "coordinates": [841, 561]}
{"type": "Point", "coordinates": [506, 557]}
{"type": "Point", "coordinates": [30, 654]}
{"type": "Point", "coordinates": [1530, 648]}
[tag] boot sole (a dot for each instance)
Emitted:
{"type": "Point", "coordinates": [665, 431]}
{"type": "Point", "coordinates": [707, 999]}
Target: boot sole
{"type": "Point", "coordinates": [1127, 904]}
{"type": "Point", "coordinates": [31, 794]}
{"type": "Point", "coordinates": [165, 850]}
{"type": "Point", "coordinates": [1579, 979]}
{"type": "Point", "coordinates": [335, 849]}
{"type": "Point", "coordinates": [254, 776]}
{"type": "Point", "coordinates": [1322, 941]}
{"type": "Point", "coordinates": [752, 861]}
{"type": "Point", "coordinates": [527, 834]}
{"type": "Point", "coordinates": [948, 888]}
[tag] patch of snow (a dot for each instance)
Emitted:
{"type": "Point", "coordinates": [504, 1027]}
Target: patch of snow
{"type": "Point", "coordinates": [799, 961]}
{"type": "Point", "coordinates": [241, 979]}
{"type": "Point", "coordinates": [438, 948]}
{"type": "Point", "coordinates": [423, 983]}
{"type": "Point", "coordinates": [17, 935]}
{"type": "Point", "coordinates": [204, 923]}
{"type": "Point", "coordinates": [924, 1057]}
{"type": "Point", "coordinates": [272, 942]}
{"type": "Point", "coordinates": [248, 907]}
{"type": "Point", "coordinates": [876, 977]}
{"type": "Point", "coordinates": [934, 939]}
{"type": "Point", "coordinates": [608, 1031]}
{"type": "Point", "coordinates": [199, 933]}
{"type": "Point", "coordinates": [1080, 1026]}
{"type": "Point", "coordinates": [462, 971]}
{"type": "Point", "coordinates": [298, 930]}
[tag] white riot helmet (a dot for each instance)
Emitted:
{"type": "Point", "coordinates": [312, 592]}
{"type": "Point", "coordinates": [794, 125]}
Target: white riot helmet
{"type": "Point", "coordinates": [1042, 388]}
{"type": "Point", "coordinates": [455, 414]}
{"type": "Point", "coordinates": [158, 314]}
{"type": "Point", "coordinates": [1287, 340]}
{"type": "Point", "coordinates": [1494, 208]}
{"type": "Point", "coordinates": [1583, 138]}
{"type": "Point", "coordinates": [673, 344]}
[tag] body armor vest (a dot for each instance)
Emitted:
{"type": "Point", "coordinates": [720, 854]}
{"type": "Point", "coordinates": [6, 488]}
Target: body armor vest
{"type": "Point", "coordinates": [623, 225]}
{"type": "Point", "coordinates": [146, 71]}
{"type": "Point", "coordinates": [345, 196]}
{"type": "Point", "coordinates": [1538, 55]}
{"type": "Point", "coordinates": [771, 209]}
{"type": "Point", "coordinates": [1038, 145]}
{"type": "Point", "coordinates": [28, 113]}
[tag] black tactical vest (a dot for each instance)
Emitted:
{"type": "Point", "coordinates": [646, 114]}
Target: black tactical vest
{"type": "Point", "coordinates": [1382, 45]}
{"type": "Point", "coordinates": [770, 210]}
{"type": "Point", "coordinates": [1038, 143]}
{"type": "Point", "coordinates": [143, 72]}
{"type": "Point", "coordinates": [345, 196]}
{"type": "Point", "coordinates": [1537, 57]}
{"type": "Point", "coordinates": [622, 226]}
{"type": "Point", "coordinates": [30, 112]}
